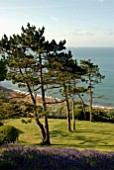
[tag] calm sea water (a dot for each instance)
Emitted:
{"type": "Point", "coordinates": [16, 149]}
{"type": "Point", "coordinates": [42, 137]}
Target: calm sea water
{"type": "Point", "coordinates": [104, 58]}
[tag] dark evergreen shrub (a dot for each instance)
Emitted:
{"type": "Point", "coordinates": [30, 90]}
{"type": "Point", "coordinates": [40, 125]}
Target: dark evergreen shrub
{"type": "Point", "coordinates": [103, 115]}
{"type": "Point", "coordinates": [8, 134]}
{"type": "Point", "coordinates": [1, 123]}
{"type": "Point", "coordinates": [79, 114]}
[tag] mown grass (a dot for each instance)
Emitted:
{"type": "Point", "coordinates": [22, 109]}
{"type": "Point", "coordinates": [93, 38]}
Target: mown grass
{"type": "Point", "coordinates": [96, 135]}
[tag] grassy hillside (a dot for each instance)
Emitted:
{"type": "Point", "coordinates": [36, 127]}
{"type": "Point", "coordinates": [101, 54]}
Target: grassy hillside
{"type": "Point", "coordinates": [87, 136]}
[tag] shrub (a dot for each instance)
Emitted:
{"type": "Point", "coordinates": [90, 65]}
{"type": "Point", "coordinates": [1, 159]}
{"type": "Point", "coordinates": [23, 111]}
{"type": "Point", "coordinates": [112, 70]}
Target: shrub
{"type": "Point", "coordinates": [57, 111]}
{"type": "Point", "coordinates": [30, 158]}
{"type": "Point", "coordinates": [1, 123]}
{"type": "Point", "coordinates": [8, 134]}
{"type": "Point", "coordinates": [110, 115]}
{"type": "Point", "coordinates": [103, 115]}
{"type": "Point", "coordinates": [79, 114]}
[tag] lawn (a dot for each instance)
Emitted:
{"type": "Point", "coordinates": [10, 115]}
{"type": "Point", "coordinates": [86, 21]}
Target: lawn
{"type": "Point", "coordinates": [88, 135]}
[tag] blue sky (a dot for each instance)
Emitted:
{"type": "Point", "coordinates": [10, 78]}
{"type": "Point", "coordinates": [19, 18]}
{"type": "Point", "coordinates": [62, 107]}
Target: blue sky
{"type": "Point", "coordinates": [83, 23]}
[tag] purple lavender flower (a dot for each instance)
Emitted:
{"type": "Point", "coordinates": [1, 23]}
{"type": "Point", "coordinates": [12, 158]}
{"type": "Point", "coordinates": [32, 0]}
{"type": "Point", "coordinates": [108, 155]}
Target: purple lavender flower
{"type": "Point", "coordinates": [31, 158]}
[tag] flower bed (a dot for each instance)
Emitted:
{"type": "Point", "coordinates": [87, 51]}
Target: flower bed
{"type": "Point", "coordinates": [30, 158]}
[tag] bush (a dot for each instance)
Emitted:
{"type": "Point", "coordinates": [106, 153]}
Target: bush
{"type": "Point", "coordinates": [30, 158]}
{"type": "Point", "coordinates": [8, 134]}
{"type": "Point", "coordinates": [110, 115]}
{"type": "Point", "coordinates": [79, 114]}
{"type": "Point", "coordinates": [1, 124]}
{"type": "Point", "coordinates": [103, 115]}
{"type": "Point", "coordinates": [57, 111]}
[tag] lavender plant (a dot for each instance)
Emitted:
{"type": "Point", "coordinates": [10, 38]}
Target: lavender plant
{"type": "Point", "coordinates": [20, 157]}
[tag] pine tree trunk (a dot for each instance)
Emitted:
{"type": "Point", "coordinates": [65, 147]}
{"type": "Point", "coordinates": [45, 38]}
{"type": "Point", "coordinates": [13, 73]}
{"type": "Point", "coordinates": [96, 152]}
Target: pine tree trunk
{"type": "Point", "coordinates": [36, 114]}
{"type": "Point", "coordinates": [41, 128]}
{"type": "Point", "coordinates": [73, 114]}
{"type": "Point", "coordinates": [90, 97]}
{"type": "Point", "coordinates": [67, 110]}
{"type": "Point", "coordinates": [90, 106]}
{"type": "Point", "coordinates": [47, 137]}
{"type": "Point", "coordinates": [68, 114]}
{"type": "Point", "coordinates": [83, 106]}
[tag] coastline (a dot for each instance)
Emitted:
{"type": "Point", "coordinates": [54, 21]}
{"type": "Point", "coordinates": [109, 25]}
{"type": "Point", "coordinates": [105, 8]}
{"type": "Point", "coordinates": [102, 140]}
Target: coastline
{"type": "Point", "coordinates": [13, 93]}
{"type": "Point", "coordinates": [24, 96]}
{"type": "Point", "coordinates": [103, 107]}
{"type": "Point", "coordinates": [103, 92]}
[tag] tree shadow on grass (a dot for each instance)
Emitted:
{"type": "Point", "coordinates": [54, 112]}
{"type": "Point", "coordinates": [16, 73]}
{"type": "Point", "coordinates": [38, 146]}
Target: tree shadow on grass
{"type": "Point", "coordinates": [64, 139]}
{"type": "Point", "coordinates": [84, 143]}
{"type": "Point", "coordinates": [58, 133]}
{"type": "Point", "coordinates": [93, 131]}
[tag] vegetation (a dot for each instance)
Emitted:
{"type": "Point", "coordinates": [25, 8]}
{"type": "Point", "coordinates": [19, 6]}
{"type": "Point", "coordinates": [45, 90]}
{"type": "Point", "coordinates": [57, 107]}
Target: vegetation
{"type": "Point", "coordinates": [65, 71]}
{"type": "Point", "coordinates": [3, 69]}
{"type": "Point", "coordinates": [98, 114]}
{"type": "Point", "coordinates": [28, 158]}
{"type": "Point", "coordinates": [29, 57]}
{"type": "Point", "coordinates": [97, 135]}
{"type": "Point", "coordinates": [88, 136]}
{"type": "Point", "coordinates": [38, 65]}
{"type": "Point", "coordinates": [26, 56]}
{"type": "Point", "coordinates": [92, 77]}
{"type": "Point", "coordinates": [8, 134]}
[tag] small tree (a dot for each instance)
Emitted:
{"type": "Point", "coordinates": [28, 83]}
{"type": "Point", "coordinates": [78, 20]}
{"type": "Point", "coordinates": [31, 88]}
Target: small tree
{"type": "Point", "coordinates": [92, 77]}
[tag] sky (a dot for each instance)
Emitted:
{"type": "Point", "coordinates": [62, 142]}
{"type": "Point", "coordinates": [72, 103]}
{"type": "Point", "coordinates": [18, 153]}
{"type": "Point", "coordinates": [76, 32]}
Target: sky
{"type": "Point", "coordinates": [82, 23]}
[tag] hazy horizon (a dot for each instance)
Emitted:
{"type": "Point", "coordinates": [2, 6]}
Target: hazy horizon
{"type": "Point", "coordinates": [80, 22]}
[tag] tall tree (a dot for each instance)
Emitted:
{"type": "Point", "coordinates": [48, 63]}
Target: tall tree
{"type": "Point", "coordinates": [74, 90]}
{"type": "Point", "coordinates": [64, 70]}
{"type": "Point", "coordinates": [79, 91]}
{"type": "Point", "coordinates": [92, 77]}
{"type": "Point", "coordinates": [27, 54]}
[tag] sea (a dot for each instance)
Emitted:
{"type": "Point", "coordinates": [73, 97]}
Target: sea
{"type": "Point", "coordinates": [104, 58]}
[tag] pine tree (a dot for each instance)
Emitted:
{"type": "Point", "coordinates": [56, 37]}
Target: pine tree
{"type": "Point", "coordinates": [65, 71]}
{"type": "Point", "coordinates": [28, 56]}
{"type": "Point", "coordinates": [92, 77]}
